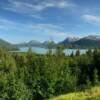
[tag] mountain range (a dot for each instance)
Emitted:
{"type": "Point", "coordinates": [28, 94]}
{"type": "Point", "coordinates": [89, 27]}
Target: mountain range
{"type": "Point", "coordinates": [7, 45]}
{"type": "Point", "coordinates": [34, 43]}
{"type": "Point", "coordinates": [91, 41]}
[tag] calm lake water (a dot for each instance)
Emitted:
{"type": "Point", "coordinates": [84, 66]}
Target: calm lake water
{"type": "Point", "coordinates": [39, 50]}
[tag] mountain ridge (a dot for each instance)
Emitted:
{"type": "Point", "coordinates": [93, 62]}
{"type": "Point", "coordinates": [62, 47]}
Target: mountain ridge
{"type": "Point", "coordinates": [7, 45]}
{"type": "Point", "coordinates": [90, 41]}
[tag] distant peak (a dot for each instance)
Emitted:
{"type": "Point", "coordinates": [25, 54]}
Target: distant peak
{"type": "Point", "coordinates": [93, 37]}
{"type": "Point", "coordinates": [72, 39]}
{"type": "Point", "coordinates": [34, 41]}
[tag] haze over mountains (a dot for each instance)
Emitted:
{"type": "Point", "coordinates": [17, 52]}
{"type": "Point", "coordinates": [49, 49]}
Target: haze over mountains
{"type": "Point", "coordinates": [26, 20]}
{"type": "Point", "coordinates": [7, 45]}
{"type": "Point", "coordinates": [34, 43]}
{"type": "Point", "coordinates": [91, 41]}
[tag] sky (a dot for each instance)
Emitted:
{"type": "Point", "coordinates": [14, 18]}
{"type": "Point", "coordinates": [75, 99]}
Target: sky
{"type": "Point", "coordinates": [41, 20]}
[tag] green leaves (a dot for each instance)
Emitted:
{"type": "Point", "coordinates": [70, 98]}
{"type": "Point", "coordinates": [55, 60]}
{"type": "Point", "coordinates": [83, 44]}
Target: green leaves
{"type": "Point", "coordinates": [28, 76]}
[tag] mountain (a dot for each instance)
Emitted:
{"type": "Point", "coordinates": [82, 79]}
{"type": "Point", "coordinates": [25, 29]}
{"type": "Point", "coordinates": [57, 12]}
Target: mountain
{"type": "Point", "coordinates": [34, 43]}
{"type": "Point", "coordinates": [69, 40]}
{"type": "Point", "coordinates": [7, 45]}
{"type": "Point", "coordinates": [92, 37]}
{"type": "Point", "coordinates": [30, 44]}
{"type": "Point", "coordinates": [50, 44]}
{"type": "Point", "coordinates": [90, 41]}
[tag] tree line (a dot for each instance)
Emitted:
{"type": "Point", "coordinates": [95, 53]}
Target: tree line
{"type": "Point", "coordinates": [29, 76]}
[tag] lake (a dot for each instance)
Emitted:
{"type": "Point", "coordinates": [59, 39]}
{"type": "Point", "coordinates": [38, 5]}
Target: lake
{"type": "Point", "coordinates": [40, 50]}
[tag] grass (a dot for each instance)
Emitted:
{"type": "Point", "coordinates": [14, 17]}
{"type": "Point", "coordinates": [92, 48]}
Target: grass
{"type": "Point", "coordinates": [89, 94]}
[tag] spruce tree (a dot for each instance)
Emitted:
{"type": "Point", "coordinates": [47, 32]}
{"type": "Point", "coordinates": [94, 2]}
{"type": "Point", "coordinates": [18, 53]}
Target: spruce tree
{"type": "Point", "coordinates": [95, 77]}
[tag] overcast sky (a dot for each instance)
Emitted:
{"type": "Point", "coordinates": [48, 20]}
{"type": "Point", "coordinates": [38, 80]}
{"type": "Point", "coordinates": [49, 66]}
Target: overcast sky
{"type": "Point", "coordinates": [24, 20]}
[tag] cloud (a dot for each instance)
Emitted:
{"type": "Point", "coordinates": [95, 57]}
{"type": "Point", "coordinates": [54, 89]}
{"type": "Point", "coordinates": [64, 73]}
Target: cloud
{"type": "Point", "coordinates": [92, 19]}
{"type": "Point", "coordinates": [32, 8]}
{"type": "Point", "coordinates": [38, 26]}
{"type": "Point", "coordinates": [20, 32]}
{"type": "Point", "coordinates": [39, 29]}
{"type": "Point", "coordinates": [37, 16]}
{"type": "Point", "coordinates": [42, 26]}
{"type": "Point", "coordinates": [57, 34]}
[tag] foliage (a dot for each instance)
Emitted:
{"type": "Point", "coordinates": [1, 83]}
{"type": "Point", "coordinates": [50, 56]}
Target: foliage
{"type": "Point", "coordinates": [28, 76]}
{"type": "Point", "coordinates": [91, 94]}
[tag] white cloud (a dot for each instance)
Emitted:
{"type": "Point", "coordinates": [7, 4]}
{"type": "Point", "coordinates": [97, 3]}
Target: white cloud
{"type": "Point", "coordinates": [58, 34]}
{"type": "Point", "coordinates": [37, 16]}
{"type": "Point", "coordinates": [45, 26]}
{"type": "Point", "coordinates": [30, 8]}
{"type": "Point", "coordinates": [43, 29]}
{"type": "Point", "coordinates": [92, 19]}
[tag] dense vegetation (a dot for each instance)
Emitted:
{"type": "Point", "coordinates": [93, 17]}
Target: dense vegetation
{"type": "Point", "coordinates": [88, 94]}
{"type": "Point", "coordinates": [28, 76]}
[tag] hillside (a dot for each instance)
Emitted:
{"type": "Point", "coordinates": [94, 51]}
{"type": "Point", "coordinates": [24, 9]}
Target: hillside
{"type": "Point", "coordinates": [7, 45]}
{"type": "Point", "coordinates": [86, 43]}
{"type": "Point", "coordinates": [91, 94]}
{"type": "Point", "coordinates": [69, 40]}
{"type": "Point", "coordinates": [91, 41]}
{"type": "Point", "coordinates": [34, 43]}
{"type": "Point", "coordinates": [30, 43]}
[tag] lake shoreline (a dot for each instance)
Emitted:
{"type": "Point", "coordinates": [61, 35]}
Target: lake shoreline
{"type": "Point", "coordinates": [40, 50]}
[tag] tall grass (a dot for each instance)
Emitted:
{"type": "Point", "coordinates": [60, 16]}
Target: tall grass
{"type": "Point", "coordinates": [89, 94]}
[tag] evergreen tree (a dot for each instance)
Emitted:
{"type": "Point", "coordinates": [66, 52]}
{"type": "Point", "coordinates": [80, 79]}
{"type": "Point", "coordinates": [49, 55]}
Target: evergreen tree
{"type": "Point", "coordinates": [95, 77]}
{"type": "Point", "coordinates": [77, 52]}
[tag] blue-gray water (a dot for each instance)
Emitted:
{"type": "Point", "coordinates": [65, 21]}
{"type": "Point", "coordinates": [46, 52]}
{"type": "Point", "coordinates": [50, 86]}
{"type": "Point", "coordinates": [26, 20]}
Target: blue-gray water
{"type": "Point", "coordinates": [39, 50]}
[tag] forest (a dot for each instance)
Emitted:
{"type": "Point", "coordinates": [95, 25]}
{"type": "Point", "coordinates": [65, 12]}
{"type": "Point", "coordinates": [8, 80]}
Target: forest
{"type": "Point", "coordinates": [29, 76]}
